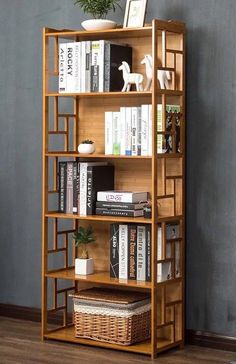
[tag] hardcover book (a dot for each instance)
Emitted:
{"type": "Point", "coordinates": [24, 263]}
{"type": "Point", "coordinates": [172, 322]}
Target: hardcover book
{"type": "Point", "coordinates": [62, 67]}
{"type": "Point", "coordinates": [132, 251]}
{"type": "Point", "coordinates": [122, 196]}
{"type": "Point", "coordinates": [62, 186]}
{"type": "Point", "coordinates": [114, 250]}
{"type": "Point", "coordinates": [120, 205]}
{"type": "Point", "coordinates": [119, 212]}
{"type": "Point", "coordinates": [148, 253]}
{"type": "Point", "coordinates": [69, 188]}
{"type": "Point", "coordinates": [141, 253]}
{"type": "Point", "coordinates": [123, 251]}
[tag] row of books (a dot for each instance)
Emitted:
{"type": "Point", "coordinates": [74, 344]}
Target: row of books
{"type": "Point", "coordinates": [91, 66]}
{"type": "Point", "coordinates": [129, 131]}
{"type": "Point", "coordinates": [130, 252]}
{"type": "Point", "coordinates": [79, 184]}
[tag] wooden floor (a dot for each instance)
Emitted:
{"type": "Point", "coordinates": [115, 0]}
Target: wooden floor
{"type": "Point", "coordinates": [20, 344]}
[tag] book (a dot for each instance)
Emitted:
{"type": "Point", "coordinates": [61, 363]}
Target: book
{"type": "Point", "coordinates": [149, 144]}
{"type": "Point", "coordinates": [94, 77]}
{"type": "Point", "coordinates": [144, 129]}
{"type": "Point", "coordinates": [139, 131]}
{"type": "Point", "coordinates": [134, 132]}
{"type": "Point", "coordinates": [83, 66]}
{"type": "Point", "coordinates": [75, 187]}
{"type": "Point", "coordinates": [113, 57]}
{"type": "Point", "coordinates": [88, 60]}
{"type": "Point", "coordinates": [62, 186]}
{"type": "Point", "coordinates": [128, 131]}
{"type": "Point", "coordinates": [118, 212]}
{"type": "Point", "coordinates": [69, 188]}
{"type": "Point", "coordinates": [141, 253]}
{"type": "Point", "coordinates": [108, 132]}
{"type": "Point", "coordinates": [83, 184]}
{"type": "Point", "coordinates": [160, 137]}
{"type": "Point", "coordinates": [148, 254]}
{"type": "Point", "coordinates": [120, 205]}
{"type": "Point", "coordinates": [70, 67]}
{"type": "Point", "coordinates": [122, 130]}
{"type": "Point", "coordinates": [132, 252]}
{"type": "Point", "coordinates": [78, 188]}
{"type": "Point", "coordinates": [116, 132]}
{"type": "Point", "coordinates": [62, 67]}
{"type": "Point", "coordinates": [122, 196]}
{"type": "Point", "coordinates": [123, 251]}
{"type": "Point", "coordinates": [98, 178]}
{"type": "Point", "coordinates": [114, 250]}
{"type": "Point", "coordinates": [77, 67]}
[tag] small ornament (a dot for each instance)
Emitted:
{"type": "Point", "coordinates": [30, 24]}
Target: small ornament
{"type": "Point", "coordinates": [86, 147]}
{"type": "Point", "coordinates": [131, 78]}
{"type": "Point", "coordinates": [163, 76]}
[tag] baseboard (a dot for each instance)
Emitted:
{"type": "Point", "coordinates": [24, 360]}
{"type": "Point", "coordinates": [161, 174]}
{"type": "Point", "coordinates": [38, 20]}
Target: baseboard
{"type": "Point", "coordinates": [200, 338]}
{"type": "Point", "coordinates": [210, 340]}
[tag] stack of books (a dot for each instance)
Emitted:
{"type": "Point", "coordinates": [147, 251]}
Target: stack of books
{"type": "Point", "coordinates": [92, 66]}
{"type": "Point", "coordinates": [79, 184]}
{"type": "Point", "coordinates": [129, 131]}
{"type": "Point", "coordinates": [121, 203]}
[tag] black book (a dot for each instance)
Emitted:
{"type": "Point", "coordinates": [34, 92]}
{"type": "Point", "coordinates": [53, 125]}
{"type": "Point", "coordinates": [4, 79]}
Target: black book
{"type": "Point", "coordinates": [114, 55]}
{"type": "Point", "coordinates": [132, 251]}
{"type": "Point", "coordinates": [120, 205]}
{"type": "Point", "coordinates": [62, 186]}
{"type": "Point", "coordinates": [119, 212]}
{"type": "Point", "coordinates": [75, 192]}
{"type": "Point", "coordinates": [114, 250]}
{"type": "Point", "coordinates": [99, 178]}
{"type": "Point", "coordinates": [148, 253]}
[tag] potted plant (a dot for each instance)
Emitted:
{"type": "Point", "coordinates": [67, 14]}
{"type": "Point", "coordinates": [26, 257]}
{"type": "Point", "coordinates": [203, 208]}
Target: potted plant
{"type": "Point", "coordinates": [98, 9]}
{"type": "Point", "coordinates": [86, 147]}
{"type": "Point", "coordinates": [84, 236]}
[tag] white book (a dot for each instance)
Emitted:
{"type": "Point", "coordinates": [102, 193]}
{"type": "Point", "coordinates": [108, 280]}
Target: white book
{"type": "Point", "coordinates": [122, 196]}
{"type": "Point", "coordinates": [88, 57]}
{"type": "Point", "coordinates": [116, 132]}
{"type": "Point", "coordinates": [108, 132]}
{"type": "Point", "coordinates": [77, 67]}
{"type": "Point", "coordinates": [95, 67]}
{"type": "Point", "coordinates": [83, 65]}
{"type": "Point", "coordinates": [101, 65]}
{"type": "Point", "coordinates": [149, 129]}
{"type": "Point", "coordinates": [83, 184]}
{"type": "Point", "coordinates": [123, 251]}
{"type": "Point", "coordinates": [144, 130]}
{"type": "Point", "coordinates": [160, 137]}
{"type": "Point", "coordinates": [134, 126]}
{"type": "Point", "coordinates": [70, 68]}
{"type": "Point", "coordinates": [122, 130]}
{"type": "Point", "coordinates": [62, 68]}
{"type": "Point", "coordinates": [139, 131]}
{"type": "Point", "coordinates": [128, 131]}
{"type": "Point", "coordinates": [141, 253]}
{"type": "Point", "coordinates": [159, 243]}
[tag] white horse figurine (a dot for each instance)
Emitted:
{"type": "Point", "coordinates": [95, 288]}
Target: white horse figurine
{"type": "Point", "coordinates": [130, 78]}
{"type": "Point", "coordinates": [163, 76]}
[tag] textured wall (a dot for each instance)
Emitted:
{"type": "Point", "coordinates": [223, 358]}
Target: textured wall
{"type": "Point", "coordinates": [211, 172]}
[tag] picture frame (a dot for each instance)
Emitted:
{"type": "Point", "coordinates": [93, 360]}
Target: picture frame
{"type": "Point", "coordinates": [135, 12]}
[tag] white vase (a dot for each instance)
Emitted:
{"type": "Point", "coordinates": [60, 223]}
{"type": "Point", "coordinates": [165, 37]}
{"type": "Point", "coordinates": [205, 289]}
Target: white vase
{"type": "Point", "coordinates": [86, 148]}
{"type": "Point", "coordinates": [84, 266]}
{"type": "Point", "coordinates": [98, 24]}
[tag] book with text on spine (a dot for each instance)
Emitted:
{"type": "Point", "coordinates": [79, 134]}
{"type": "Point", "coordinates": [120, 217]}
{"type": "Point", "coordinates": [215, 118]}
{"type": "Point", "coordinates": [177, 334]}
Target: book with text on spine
{"type": "Point", "coordinates": [62, 67]}
{"type": "Point", "coordinates": [114, 250]}
{"type": "Point", "coordinates": [69, 188]}
{"type": "Point", "coordinates": [132, 252]}
{"type": "Point", "coordinates": [62, 186]}
{"type": "Point", "coordinates": [119, 212]}
{"type": "Point", "coordinates": [122, 196]}
{"type": "Point", "coordinates": [141, 253]}
{"type": "Point", "coordinates": [123, 251]}
{"type": "Point", "coordinates": [120, 205]}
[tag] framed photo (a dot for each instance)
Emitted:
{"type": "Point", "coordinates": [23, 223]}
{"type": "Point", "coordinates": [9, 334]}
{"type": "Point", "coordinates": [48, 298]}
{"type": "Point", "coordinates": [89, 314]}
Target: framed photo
{"type": "Point", "coordinates": [135, 12]}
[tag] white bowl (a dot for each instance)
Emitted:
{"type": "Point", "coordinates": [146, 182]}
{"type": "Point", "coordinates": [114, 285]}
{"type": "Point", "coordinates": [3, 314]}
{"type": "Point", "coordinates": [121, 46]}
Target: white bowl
{"type": "Point", "coordinates": [86, 148]}
{"type": "Point", "coordinates": [98, 24]}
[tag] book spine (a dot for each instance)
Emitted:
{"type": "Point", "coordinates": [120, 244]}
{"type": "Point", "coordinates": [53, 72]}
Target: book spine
{"type": "Point", "coordinates": [134, 125]}
{"type": "Point", "coordinates": [128, 131]}
{"type": "Point", "coordinates": [78, 188]}
{"type": "Point", "coordinates": [139, 131]}
{"type": "Point", "coordinates": [70, 81]}
{"type": "Point", "coordinates": [116, 132]}
{"type": "Point", "coordinates": [88, 58]}
{"type": "Point", "coordinates": [77, 67]}
{"type": "Point", "coordinates": [101, 65]}
{"type": "Point", "coordinates": [107, 66]}
{"type": "Point", "coordinates": [124, 206]}
{"type": "Point", "coordinates": [62, 67]}
{"type": "Point", "coordinates": [144, 130]}
{"type": "Point", "coordinates": [122, 130]}
{"type": "Point", "coordinates": [141, 258]}
{"type": "Point", "coordinates": [75, 194]}
{"type": "Point", "coordinates": [83, 189]}
{"type": "Point", "coordinates": [83, 66]}
{"type": "Point", "coordinates": [149, 129]}
{"type": "Point", "coordinates": [89, 190]}
{"type": "Point", "coordinates": [114, 251]}
{"type": "Point", "coordinates": [148, 253]}
{"type": "Point", "coordinates": [95, 66]}
{"type": "Point", "coordinates": [116, 212]}
{"type": "Point", "coordinates": [62, 186]}
{"type": "Point", "coordinates": [123, 251]}
{"type": "Point", "coordinates": [159, 128]}
{"type": "Point", "coordinates": [132, 251]}
{"type": "Point", "coordinates": [159, 253]}
{"type": "Point", "coordinates": [69, 189]}
{"type": "Point", "coordinates": [108, 132]}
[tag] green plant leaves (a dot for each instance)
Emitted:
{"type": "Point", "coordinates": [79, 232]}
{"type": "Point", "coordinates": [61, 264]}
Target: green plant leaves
{"type": "Point", "coordinates": [98, 8]}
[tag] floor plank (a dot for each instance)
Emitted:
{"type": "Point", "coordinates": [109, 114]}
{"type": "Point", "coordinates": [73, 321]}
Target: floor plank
{"type": "Point", "coordinates": [20, 343]}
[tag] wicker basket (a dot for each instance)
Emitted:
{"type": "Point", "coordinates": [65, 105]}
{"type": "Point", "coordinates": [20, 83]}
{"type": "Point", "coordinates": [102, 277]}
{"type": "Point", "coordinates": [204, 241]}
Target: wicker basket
{"type": "Point", "coordinates": [112, 316]}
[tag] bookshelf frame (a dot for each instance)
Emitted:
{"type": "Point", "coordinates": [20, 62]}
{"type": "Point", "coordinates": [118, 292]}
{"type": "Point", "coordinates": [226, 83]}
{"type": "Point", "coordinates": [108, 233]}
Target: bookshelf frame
{"type": "Point", "coordinates": [167, 298]}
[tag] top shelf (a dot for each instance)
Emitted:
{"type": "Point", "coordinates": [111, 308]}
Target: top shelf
{"type": "Point", "coordinates": [146, 31]}
{"type": "Point", "coordinates": [116, 94]}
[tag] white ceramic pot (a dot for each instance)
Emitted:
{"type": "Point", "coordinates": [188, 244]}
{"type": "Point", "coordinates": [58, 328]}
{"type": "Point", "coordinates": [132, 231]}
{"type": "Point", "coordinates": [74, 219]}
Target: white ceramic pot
{"type": "Point", "coordinates": [86, 148]}
{"type": "Point", "coordinates": [84, 266]}
{"type": "Point", "coordinates": [98, 24]}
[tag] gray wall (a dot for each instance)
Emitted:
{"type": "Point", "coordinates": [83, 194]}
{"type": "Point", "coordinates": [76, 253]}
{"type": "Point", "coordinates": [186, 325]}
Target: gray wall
{"type": "Point", "coordinates": [211, 172]}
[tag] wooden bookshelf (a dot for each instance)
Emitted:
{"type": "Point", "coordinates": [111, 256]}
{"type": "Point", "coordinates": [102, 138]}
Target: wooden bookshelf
{"type": "Point", "coordinates": [70, 117]}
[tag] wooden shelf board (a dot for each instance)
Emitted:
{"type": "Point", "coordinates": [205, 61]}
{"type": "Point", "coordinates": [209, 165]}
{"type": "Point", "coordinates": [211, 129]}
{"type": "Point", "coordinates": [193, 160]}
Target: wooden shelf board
{"type": "Point", "coordinates": [140, 220]}
{"type": "Point", "coordinates": [109, 156]}
{"type": "Point", "coordinates": [99, 278]}
{"type": "Point", "coordinates": [116, 94]}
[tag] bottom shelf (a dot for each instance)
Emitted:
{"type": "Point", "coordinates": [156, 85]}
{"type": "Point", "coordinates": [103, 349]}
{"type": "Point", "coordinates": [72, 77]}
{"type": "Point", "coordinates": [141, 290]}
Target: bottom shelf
{"type": "Point", "coordinates": [67, 334]}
